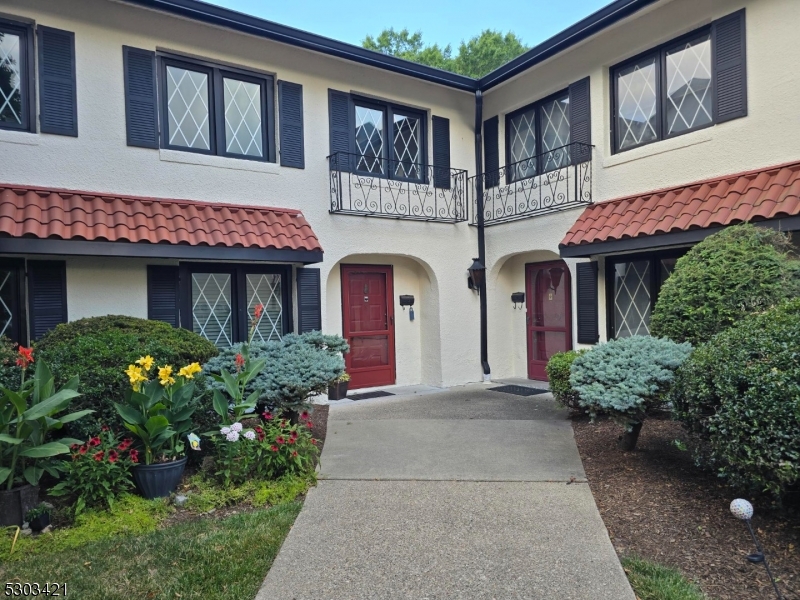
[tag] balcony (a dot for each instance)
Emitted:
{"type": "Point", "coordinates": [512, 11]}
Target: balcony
{"type": "Point", "coordinates": [393, 189]}
{"type": "Point", "coordinates": [552, 181]}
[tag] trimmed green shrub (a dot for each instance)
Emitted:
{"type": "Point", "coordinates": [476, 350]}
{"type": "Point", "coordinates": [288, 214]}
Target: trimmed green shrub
{"type": "Point", "coordinates": [625, 378]}
{"type": "Point", "coordinates": [741, 270]}
{"type": "Point", "coordinates": [98, 349]}
{"type": "Point", "coordinates": [740, 393]}
{"type": "Point", "coordinates": [558, 374]}
{"type": "Point", "coordinates": [9, 372]}
{"type": "Point", "coordinates": [298, 367]}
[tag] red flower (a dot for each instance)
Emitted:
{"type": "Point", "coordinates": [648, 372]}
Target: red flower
{"type": "Point", "coordinates": [124, 445]}
{"type": "Point", "coordinates": [283, 423]}
{"type": "Point", "coordinates": [294, 453]}
{"type": "Point", "coordinates": [292, 440]}
{"type": "Point", "coordinates": [95, 441]}
{"type": "Point", "coordinates": [304, 415]}
{"type": "Point", "coordinates": [273, 448]}
{"type": "Point", "coordinates": [268, 416]}
{"type": "Point", "coordinates": [113, 456]}
{"type": "Point", "coordinates": [134, 456]}
{"type": "Point", "coordinates": [258, 311]}
{"type": "Point", "coordinates": [99, 456]}
{"type": "Point", "coordinates": [239, 362]}
{"type": "Point", "coordinates": [104, 428]}
{"type": "Point", "coordinates": [313, 441]}
{"type": "Point", "coordinates": [309, 424]}
{"type": "Point", "coordinates": [293, 434]}
{"type": "Point", "coordinates": [280, 439]}
{"type": "Point", "coordinates": [261, 435]}
{"type": "Point", "coordinates": [73, 447]}
{"type": "Point", "coordinates": [82, 450]}
{"type": "Point", "coordinates": [25, 357]}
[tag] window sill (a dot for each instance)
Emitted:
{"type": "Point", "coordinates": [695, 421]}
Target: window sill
{"type": "Point", "coordinates": [220, 162]}
{"type": "Point", "coordinates": [683, 141]}
{"type": "Point", "coordinates": [19, 137]}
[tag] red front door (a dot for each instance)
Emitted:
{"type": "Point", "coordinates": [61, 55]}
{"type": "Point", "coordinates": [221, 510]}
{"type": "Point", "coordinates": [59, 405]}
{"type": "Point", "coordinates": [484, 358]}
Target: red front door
{"type": "Point", "coordinates": [368, 315]}
{"type": "Point", "coordinates": [549, 321]}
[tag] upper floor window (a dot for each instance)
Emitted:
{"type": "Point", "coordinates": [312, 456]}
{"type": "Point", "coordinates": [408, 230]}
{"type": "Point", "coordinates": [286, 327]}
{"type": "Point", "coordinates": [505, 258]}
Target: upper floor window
{"type": "Point", "coordinates": [216, 110]}
{"type": "Point", "coordinates": [695, 81]}
{"type": "Point", "coordinates": [538, 137]}
{"type": "Point", "coordinates": [389, 141]}
{"type": "Point", "coordinates": [16, 75]}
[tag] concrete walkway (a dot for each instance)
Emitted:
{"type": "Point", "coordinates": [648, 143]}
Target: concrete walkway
{"type": "Point", "coordinates": [464, 494]}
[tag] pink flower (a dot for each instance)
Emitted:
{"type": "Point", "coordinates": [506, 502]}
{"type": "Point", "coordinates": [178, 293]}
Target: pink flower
{"type": "Point", "coordinates": [268, 416]}
{"type": "Point", "coordinates": [273, 448]}
{"type": "Point", "coordinates": [280, 439]}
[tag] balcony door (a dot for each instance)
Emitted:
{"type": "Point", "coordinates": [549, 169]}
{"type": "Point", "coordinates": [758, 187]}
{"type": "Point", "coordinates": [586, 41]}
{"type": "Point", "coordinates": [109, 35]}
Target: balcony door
{"type": "Point", "coordinates": [368, 323]}
{"type": "Point", "coordinates": [549, 321]}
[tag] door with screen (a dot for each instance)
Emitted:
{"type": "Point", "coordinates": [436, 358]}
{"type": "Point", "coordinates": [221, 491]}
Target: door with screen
{"type": "Point", "coordinates": [549, 322]}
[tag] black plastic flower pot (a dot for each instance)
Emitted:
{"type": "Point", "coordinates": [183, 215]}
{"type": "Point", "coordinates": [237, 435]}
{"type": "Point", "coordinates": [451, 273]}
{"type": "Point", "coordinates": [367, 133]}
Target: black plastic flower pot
{"type": "Point", "coordinates": [159, 480]}
{"type": "Point", "coordinates": [337, 391]}
{"type": "Point", "coordinates": [40, 522]}
{"type": "Point", "coordinates": [15, 504]}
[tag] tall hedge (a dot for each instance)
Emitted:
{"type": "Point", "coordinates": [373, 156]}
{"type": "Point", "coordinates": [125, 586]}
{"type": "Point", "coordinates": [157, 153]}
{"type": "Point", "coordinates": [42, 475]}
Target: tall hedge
{"type": "Point", "coordinates": [741, 393]}
{"type": "Point", "coordinates": [98, 349]}
{"type": "Point", "coordinates": [741, 270]}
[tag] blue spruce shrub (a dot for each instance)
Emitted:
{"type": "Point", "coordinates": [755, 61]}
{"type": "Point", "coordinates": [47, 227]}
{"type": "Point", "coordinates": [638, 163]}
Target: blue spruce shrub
{"type": "Point", "coordinates": [625, 378]}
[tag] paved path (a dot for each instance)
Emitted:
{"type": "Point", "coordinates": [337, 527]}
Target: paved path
{"type": "Point", "coordinates": [463, 494]}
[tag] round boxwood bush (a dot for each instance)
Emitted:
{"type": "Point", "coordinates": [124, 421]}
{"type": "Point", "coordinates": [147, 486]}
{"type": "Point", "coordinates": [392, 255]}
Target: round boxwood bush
{"type": "Point", "coordinates": [627, 377]}
{"type": "Point", "coordinates": [741, 270]}
{"type": "Point", "coordinates": [558, 374]}
{"type": "Point", "coordinates": [741, 393]}
{"type": "Point", "coordinates": [98, 350]}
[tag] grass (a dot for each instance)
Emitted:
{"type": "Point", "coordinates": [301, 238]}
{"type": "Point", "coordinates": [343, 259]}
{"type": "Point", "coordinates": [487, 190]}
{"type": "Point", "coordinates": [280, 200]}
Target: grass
{"type": "Point", "coordinates": [224, 559]}
{"type": "Point", "coordinates": [656, 582]}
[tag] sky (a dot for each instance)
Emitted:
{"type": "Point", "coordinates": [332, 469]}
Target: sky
{"type": "Point", "coordinates": [440, 21]}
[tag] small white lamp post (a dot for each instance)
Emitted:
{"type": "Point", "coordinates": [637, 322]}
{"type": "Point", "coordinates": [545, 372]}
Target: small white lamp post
{"type": "Point", "coordinates": [743, 510]}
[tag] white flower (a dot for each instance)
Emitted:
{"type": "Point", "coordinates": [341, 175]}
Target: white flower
{"type": "Point", "coordinates": [225, 430]}
{"type": "Point", "coordinates": [237, 427]}
{"type": "Point", "coordinates": [232, 436]}
{"type": "Point", "coordinates": [250, 435]}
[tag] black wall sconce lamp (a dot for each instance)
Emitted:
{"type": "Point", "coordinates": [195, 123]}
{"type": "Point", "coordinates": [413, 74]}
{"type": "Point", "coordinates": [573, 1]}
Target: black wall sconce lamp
{"type": "Point", "coordinates": [518, 298]}
{"type": "Point", "coordinates": [477, 273]}
{"type": "Point", "coordinates": [408, 300]}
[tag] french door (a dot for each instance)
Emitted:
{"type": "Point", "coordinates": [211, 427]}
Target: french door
{"type": "Point", "coordinates": [549, 320]}
{"type": "Point", "coordinates": [368, 323]}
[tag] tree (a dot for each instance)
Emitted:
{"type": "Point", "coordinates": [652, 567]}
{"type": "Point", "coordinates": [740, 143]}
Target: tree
{"type": "Point", "coordinates": [476, 57]}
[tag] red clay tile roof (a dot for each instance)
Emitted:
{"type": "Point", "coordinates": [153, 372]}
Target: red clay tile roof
{"type": "Point", "coordinates": [67, 214]}
{"type": "Point", "coordinates": [752, 196]}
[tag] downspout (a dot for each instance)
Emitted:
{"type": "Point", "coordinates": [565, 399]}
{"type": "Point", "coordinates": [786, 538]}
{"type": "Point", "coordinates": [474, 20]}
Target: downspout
{"type": "Point", "coordinates": [487, 371]}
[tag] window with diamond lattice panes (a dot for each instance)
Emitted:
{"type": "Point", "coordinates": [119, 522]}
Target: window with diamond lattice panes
{"type": "Point", "coordinates": [266, 290]}
{"type": "Point", "coordinates": [555, 133]}
{"type": "Point", "coordinates": [14, 77]}
{"type": "Point", "coordinates": [637, 101]}
{"type": "Point", "coordinates": [522, 144]}
{"type": "Point", "coordinates": [689, 100]}
{"type": "Point", "coordinates": [369, 139]}
{"type": "Point", "coordinates": [244, 132]}
{"type": "Point", "coordinates": [407, 146]}
{"type": "Point", "coordinates": [212, 312]}
{"type": "Point", "coordinates": [7, 302]}
{"type": "Point", "coordinates": [632, 299]}
{"type": "Point", "coordinates": [188, 108]}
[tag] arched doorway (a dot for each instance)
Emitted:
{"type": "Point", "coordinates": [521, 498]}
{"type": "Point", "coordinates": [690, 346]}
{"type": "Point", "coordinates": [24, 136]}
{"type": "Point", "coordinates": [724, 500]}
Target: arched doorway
{"type": "Point", "coordinates": [549, 319]}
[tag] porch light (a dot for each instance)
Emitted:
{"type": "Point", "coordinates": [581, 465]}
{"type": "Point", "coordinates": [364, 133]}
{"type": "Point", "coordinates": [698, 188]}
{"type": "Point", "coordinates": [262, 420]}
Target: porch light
{"type": "Point", "coordinates": [477, 273]}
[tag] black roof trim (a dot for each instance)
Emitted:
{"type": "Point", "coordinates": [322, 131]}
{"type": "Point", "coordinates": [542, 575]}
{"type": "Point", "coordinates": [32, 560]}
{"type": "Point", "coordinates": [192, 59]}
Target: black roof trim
{"type": "Point", "coordinates": [217, 15]}
{"type": "Point", "coordinates": [597, 21]}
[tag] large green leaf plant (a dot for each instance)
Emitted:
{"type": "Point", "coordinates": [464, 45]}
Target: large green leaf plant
{"type": "Point", "coordinates": [27, 416]}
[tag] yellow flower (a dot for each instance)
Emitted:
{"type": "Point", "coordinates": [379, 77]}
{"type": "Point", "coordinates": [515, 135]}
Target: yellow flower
{"type": "Point", "coordinates": [167, 381]}
{"type": "Point", "coordinates": [189, 370]}
{"type": "Point", "coordinates": [135, 376]}
{"type": "Point", "coordinates": [146, 362]}
{"type": "Point", "coordinates": [165, 375]}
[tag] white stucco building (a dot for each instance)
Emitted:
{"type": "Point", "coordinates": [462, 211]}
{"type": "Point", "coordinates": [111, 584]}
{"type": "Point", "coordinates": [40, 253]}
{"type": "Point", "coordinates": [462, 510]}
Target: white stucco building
{"type": "Point", "coordinates": [175, 160]}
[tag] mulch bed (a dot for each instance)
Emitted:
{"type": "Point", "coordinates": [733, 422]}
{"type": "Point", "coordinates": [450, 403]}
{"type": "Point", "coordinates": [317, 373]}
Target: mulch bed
{"type": "Point", "coordinates": [658, 505]}
{"type": "Point", "coordinates": [319, 420]}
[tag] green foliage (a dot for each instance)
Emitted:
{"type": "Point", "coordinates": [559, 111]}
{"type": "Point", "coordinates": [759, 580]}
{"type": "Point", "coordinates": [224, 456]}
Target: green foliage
{"type": "Point", "coordinates": [656, 582]}
{"type": "Point", "coordinates": [95, 348]}
{"type": "Point", "coordinates": [627, 377]}
{"type": "Point", "coordinates": [131, 515]}
{"type": "Point", "coordinates": [98, 471]}
{"type": "Point", "coordinates": [741, 270]}
{"type": "Point", "coordinates": [297, 367]}
{"type": "Point", "coordinates": [9, 372]}
{"type": "Point", "coordinates": [558, 371]}
{"type": "Point", "coordinates": [740, 393]}
{"type": "Point", "coordinates": [204, 494]}
{"type": "Point", "coordinates": [27, 416]}
{"type": "Point", "coordinates": [476, 57]}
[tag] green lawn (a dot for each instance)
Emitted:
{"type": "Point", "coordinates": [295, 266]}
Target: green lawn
{"type": "Point", "coordinates": [655, 582]}
{"type": "Point", "coordinates": [223, 559]}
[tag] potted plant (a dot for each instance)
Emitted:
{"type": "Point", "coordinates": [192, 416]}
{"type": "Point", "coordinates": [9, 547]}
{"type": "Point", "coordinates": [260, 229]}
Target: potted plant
{"type": "Point", "coordinates": [27, 416]}
{"type": "Point", "coordinates": [39, 517]}
{"type": "Point", "coordinates": [159, 412]}
{"type": "Point", "coordinates": [337, 390]}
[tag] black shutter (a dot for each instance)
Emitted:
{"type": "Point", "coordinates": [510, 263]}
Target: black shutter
{"type": "Point", "coordinates": [309, 300]}
{"type": "Point", "coordinates": [730, 67]}
{"type": "Point", "coordinates": [341, 130]}
{"type": "Point", "coordinates": [491, 153]}
{"type": "Point", "coordinates": [58, 102]}
{"type": "Point", "coordinates": [588, 328]}
{"type": "Point", "coordinates": [141, 108]}
{"type": "Point", "coordinates": [47, 296]}
{"type": "Point", "coordinates": [580, 121]}
{"type": "Point", "coordinates": [163, 294]}
{"type": "Point", "coordinates": [441, 153]}
{"type": "Point", "coordinates": [290, 98]}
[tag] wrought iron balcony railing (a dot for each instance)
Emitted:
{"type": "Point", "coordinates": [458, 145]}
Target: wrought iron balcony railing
{"type": "Point", "coordinates": [555, 180]}
{"type": "Point", "coordinates": [394, 189]}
